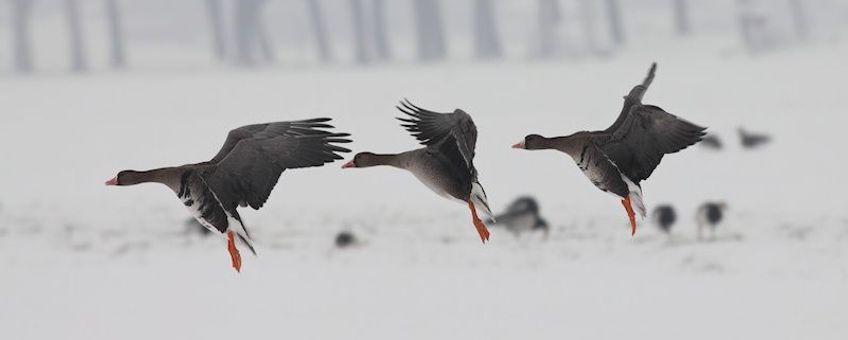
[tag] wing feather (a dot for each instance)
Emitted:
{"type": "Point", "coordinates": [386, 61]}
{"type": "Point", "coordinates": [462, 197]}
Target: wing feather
{"type": "Point", "coordinates": [431, 128]}
{"type": "Point", "coordinates": [633, 98]}
{"type": "Point", "coordinates": [648, 133]}
{"type": "Point", "coordinates": [252, 165]}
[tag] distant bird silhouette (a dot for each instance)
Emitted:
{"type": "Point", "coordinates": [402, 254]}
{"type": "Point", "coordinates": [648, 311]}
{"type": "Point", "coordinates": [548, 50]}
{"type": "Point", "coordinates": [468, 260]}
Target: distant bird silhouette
{"type": "Point", "coordinates": [709, 214]}
{"type": "Point", "coordinates": [522, 215]}
{"type": "Point", "coordinates": [752, 140]}
{"type": "Point", "coordinates": [711, 141]}
{"type": "Point", "coordinates": [345, 239]}
{"type": "Point", "coordinates": [664, 216]}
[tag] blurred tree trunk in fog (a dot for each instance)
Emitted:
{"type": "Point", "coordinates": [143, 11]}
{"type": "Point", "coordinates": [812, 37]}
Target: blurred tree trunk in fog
{"type": "Point", "coordinates": [243, 32]}
{"type": "Point", "coordinates": [361, 43]}
{"type": "Point", "coordinates": [78, 57]}
{"type": "Point", "coordinates": [118, 56]}
{"type": "Point", "coordinates": [486, 42]}
{"type": "Point", "coordinates": [266, 48]}
{"type": "Point", "coordinates": [381, 39]}
{"type": "Point", "coordinates": [216, 22]}
{"type": "Point", "coordinates": [615, 25]}
{"type": "Point", "coordinates": [250, 34]}
{"type": "Point", "coordinates": [549, 18]}
{"type": "Point", "coordinates": [681, 17]}
{"type": "Point", "coordinates": [369, 31]}
{"type": "Point", "coordinates": [589, 25]}
{"type": "Point", "coordinates": [753, 27]}
{"type": "Point", "coordinates": [430, 34]}
{"type": "Point", "coordinates": [19, 21]}
{"type": "Point", "coordinates": [319, 32]}
{"type": "Point", "coordinates": [799, 19]}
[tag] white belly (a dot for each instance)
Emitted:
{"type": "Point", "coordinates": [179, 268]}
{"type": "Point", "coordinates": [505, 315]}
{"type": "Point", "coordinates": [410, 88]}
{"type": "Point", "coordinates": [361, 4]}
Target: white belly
{"type": "Point", "coordinates": [433, 186]}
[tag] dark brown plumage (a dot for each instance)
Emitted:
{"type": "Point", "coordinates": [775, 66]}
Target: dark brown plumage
{"type": "Point", "coordinates": [617, 159]}
{"type": "Point", "coordinates": [244, 172]}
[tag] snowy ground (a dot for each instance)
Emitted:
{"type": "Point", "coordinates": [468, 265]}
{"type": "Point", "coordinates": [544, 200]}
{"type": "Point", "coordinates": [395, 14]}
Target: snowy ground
{"type": "Point", "coordinates": [83, 261]}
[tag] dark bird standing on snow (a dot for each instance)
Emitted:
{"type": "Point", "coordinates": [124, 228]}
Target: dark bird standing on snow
{"type": "Point", "coordinates": [617, 159]}
{"type": "Point", "coordinates": [752, 140]}
{"type": "Point", "coordinates": [345, 239]}
{"type": "Point", "coordinates": [522, 215]}
{"type": "Point", "coordinates": [243, 173]}
{"type": "Point", "coordinates": [665, 216]}
{"type": "Point", "coordinates": [445, 164]}
{"type": "Point", "coordinates": [709, 214]}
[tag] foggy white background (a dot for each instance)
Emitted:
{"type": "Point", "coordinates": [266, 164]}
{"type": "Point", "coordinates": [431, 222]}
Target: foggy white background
{"type": "Point", "coordinates": [79, 260]}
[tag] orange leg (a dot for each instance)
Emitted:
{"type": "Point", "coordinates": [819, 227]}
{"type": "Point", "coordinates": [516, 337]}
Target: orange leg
{"type": "Point", "coordinates": [630, 214]}
{"type": "Point", "coordinates": [481, 228]}
{"type": "Point", "coordinates": [234, 253]}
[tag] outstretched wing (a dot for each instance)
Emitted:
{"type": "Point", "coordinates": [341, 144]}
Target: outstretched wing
{"type": "Point", "coordinates": [431, 128]}
{"type": "Point", "coordinates": [250, 170]}
{"type": "Point", "coordinates": [268, 130]}
{"type": "Point", "coordinates": [633, 98]}
{"type": "Point", "coordinates": [639, 143]}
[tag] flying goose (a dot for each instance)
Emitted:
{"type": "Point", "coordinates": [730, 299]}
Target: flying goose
{"type": "Point", "coordinates": [446, 162]}
{"type": "Point", "coordinates": [243, 173]}
{"type": "Point", "coordinates": [617, 159]}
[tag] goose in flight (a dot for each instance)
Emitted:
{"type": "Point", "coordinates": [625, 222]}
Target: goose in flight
{"type": "Point", "coordinates": [446, 162]}
{"type": "Point", "coordinates": [618, 159]}
{"type": "Point", "coordinates": [243, 173]}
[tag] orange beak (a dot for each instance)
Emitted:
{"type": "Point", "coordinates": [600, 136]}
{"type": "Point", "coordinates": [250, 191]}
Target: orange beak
{"type": "Point", "coordinates": [349, 165]}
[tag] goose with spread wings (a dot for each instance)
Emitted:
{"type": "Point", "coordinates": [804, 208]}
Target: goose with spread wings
{"type": "Point", "coordinates": [243, 173]}
{"type": "Point", "coordinates": [446, 162]}
{"type": "Point", "coordinates": [617, 159]}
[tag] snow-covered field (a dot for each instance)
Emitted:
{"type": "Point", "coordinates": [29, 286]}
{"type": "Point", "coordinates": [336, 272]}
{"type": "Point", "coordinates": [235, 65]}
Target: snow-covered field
{"type": "Point", "coordinates": [79, 260]}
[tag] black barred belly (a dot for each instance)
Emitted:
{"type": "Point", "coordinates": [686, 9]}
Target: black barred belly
{"type": "Point", "coordinates": [602, 172]}
{"type": "Point", "coordinates": [203, 205]}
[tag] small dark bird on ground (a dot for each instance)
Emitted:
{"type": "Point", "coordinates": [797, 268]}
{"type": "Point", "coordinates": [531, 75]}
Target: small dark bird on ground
{"type": "Point", "coordinates": [711, 141]}
{"type": "Point", "coordinates": [345, 239]}
{"type": "Point", "coordinates": [751, 140]}
{"type": "Point", "coordinates": [617, 159]}
{"type": "Point", "coordinates": [446, 162]}
{"type": "Point", "coordinates": [243, 173]}
{"type": "Point", "coordinates": [522, 215]}
{"type": "Point", "coordinates": [664, 216]}
{"type": "Point", "coordinates": [709, 214]}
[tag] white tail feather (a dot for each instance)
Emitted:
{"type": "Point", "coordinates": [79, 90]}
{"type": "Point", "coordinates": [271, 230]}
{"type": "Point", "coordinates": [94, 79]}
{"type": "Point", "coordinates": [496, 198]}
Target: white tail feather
{"type": "Point", "coordinates": [243, 237]}
{"type": "Point", "coordinates": [478, 197]}
{"type": "Point", "coordinates": [636, 197]}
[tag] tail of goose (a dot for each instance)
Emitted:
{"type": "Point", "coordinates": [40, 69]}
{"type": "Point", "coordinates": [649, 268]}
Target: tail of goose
{"type": "Point", "coordinates": [478, 197]}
